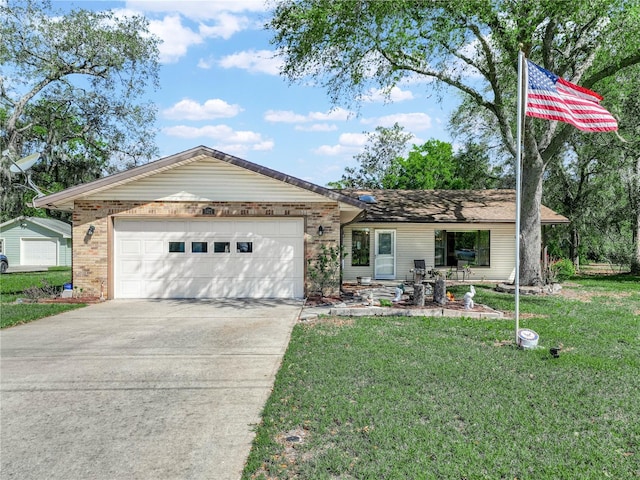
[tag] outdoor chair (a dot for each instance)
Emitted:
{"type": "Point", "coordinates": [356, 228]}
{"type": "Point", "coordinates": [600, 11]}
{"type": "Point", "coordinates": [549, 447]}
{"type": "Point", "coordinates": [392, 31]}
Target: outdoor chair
{"type": "Point", "coordinates": [419, 270]}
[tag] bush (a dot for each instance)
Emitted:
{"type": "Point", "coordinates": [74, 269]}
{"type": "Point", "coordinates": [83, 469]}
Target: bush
{"type": "Point", "coordinates": [324, 270]}
{"type": "Point", "coordinates": [562, 270]}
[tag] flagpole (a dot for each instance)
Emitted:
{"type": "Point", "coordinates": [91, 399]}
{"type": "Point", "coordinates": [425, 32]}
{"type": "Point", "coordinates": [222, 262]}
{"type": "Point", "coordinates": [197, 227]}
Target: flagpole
{"type": "Point", "coordinates": [519, 132]}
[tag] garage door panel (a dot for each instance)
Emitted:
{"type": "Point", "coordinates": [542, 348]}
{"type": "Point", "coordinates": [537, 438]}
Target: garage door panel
{"type": "Point", "coordinates": [130, 289]}
{"type": "Point", "coordinates": [144, 267]}
{"type": "Point", "coordinates": [291, 229]}
{"type": "Point", "coordinates": [200, 227]}
{"type": "Point", "coordinates": [154, 269]}
{"type": "Point", "coordinates": [154, 247]}
{"type": "Point", "coordinates": [130, 267]}
{"type": "Point", "coordinates": [199, 267]}
{"type": "Point", "coordinates": [131, 247]}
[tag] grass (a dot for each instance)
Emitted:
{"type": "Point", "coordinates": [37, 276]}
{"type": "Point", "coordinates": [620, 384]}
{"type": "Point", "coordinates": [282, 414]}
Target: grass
{"type": "Point", "coordinates": [12, 287]}
{"type": "Point", "coordinates": [423, 398]}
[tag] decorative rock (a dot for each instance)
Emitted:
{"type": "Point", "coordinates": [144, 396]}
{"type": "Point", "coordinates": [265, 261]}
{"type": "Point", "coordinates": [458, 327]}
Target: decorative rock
{"type": "Point", "coordinates": [418, 295]}
{"type": "Point", "coordinates": [440, 292]}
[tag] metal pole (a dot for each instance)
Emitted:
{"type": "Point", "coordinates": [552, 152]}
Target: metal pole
{"type": "Point", "coordinates": [520, 117]}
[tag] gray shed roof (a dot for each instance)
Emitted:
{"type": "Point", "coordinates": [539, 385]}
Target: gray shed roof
{"type": "Point", "coordinates": [53, 224]}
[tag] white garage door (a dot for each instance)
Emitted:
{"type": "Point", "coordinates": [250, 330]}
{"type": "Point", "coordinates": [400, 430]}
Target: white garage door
{"type": "Point", "coordinates": [39, 251]}
{"type": "Point", "coordinates": [246, 258]}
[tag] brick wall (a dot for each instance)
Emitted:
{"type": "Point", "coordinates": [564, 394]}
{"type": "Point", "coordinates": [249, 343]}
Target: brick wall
{"type": "Point", "coordinates": [92, 254]}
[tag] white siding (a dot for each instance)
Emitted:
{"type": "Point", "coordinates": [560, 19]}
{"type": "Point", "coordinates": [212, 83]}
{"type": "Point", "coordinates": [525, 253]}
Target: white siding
{"type": "Point", "coordinates": [15, 236]}
{"type": "Point", "coordinates": [209, 180]}
{"type": "Point", "coordinates": [415, 241]}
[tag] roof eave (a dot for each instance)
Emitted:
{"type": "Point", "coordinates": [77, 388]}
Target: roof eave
{"type": "Point", "coordinates": [64, 200]}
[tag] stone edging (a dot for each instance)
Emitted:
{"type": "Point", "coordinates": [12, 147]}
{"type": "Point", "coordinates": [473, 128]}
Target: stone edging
{"type": "Point", "coordinates": [415, 312]}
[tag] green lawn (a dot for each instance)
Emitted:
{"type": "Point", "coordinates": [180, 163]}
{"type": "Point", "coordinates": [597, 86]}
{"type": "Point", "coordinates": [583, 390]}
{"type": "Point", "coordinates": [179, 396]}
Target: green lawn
{"type": "Point", "coordinates": [450, 398]}
{"type": "Point", "coordinates": [13, 286]}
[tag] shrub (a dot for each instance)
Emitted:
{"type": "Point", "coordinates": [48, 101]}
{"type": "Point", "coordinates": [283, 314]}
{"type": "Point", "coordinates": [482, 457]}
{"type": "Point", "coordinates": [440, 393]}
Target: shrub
{"type": "Point", "coordinates": [324, 270]}
{"type": "Point", "coordinates": [562, 270]}
{"type": "Point", "coordinates": [44, 291]}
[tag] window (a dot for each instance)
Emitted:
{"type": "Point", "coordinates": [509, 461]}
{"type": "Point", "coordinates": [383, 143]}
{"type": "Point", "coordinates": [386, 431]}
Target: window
{"type": "Point", "coordinates": [221, 247]}
{"type": "Point", "coordinates": [199, 247]}
{"type": "Point", "coordinates": [176, 247]}
{"type": "Point", "coordinates": [360, 248]}
{"type": "Point", "coordinates": [244, 247]}
{"type": "Point", "coordinates": [1, 245]}
{"type": "Point", "coordinates": [472, 246]}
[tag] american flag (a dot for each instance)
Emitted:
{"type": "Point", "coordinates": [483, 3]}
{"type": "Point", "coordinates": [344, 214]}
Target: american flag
{"type": "Point", "coordinates": [554, 98]}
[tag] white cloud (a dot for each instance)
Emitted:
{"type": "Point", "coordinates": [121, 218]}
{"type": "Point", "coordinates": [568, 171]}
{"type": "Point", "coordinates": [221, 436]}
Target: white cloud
{"type": "Point", "coordinates": [253, 61]}
{"type": "Point", "coordinates": [378, 95]}
{"type": "Point", "coordinates": [176, 38]}
{"type": "Point", "coordinates": [353, 139]}
{"type": "Point", "coordinates": [329, 150]}
{"type": "Point", "coordinates": [410, 121]}
{"type": "Point", "coordinates": [198, 9]}
{"type": "Point", "coordinates": [317, 127]}
{"type": "Point", "coordinates": [188, 109]}
{"type": "Point", "coordinates": [207, 63]}
{"type": "Point", "coordinates": [225, 26]}
{"type": "Point", "coordinates": [337, 114]}
{"type": "Point", "coordinates": [284, 116]}
{"type": "Point", "coordinates": [348, 143]}
{"type": "Point", "coordinates": [232, 141]}
{"type": "Point", "coordinates": [288, 116]}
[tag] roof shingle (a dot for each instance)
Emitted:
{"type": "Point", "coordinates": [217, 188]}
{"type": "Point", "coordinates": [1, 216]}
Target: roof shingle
{"type": "Point", "coordinates": [446, 206]}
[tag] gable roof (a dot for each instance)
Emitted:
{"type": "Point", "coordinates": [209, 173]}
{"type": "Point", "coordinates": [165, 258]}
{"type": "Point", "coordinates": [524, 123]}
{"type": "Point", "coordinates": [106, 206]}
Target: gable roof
{"type": "Point", "coordinates": [64, 200]}
{"type": "Point", "coordinates": [446, 206]}
{"type": "Point", "coordinates": [53, 224]}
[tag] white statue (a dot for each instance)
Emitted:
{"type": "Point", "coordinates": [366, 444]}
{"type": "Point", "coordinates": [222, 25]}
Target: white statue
{"type": "Point", "coordinates": [399, 292]}
{"type": "Point", "coordinates": [468, 298]}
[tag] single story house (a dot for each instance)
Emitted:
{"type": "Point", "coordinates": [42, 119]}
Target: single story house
{"type": "Point", "coordinates": [439, 227]}
{"type": "Point", "coordinates": [204, 224]}
{"type": "Point", "coordinates": [36, 241]}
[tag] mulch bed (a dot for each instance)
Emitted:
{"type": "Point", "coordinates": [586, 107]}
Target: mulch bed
{"type": "Point", "coordinates": [70, 300]}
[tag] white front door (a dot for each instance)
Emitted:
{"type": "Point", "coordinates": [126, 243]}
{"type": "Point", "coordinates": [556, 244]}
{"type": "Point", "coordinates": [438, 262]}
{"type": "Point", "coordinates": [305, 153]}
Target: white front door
{"type": "Point", "coordinates": [385, 255]}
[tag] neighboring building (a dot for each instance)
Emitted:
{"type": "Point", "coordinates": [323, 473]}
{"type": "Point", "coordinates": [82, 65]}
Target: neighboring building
{"type": "Point", "coordinates": [204, 224]}
{"type": "Point", "coordinates": [36, 241]}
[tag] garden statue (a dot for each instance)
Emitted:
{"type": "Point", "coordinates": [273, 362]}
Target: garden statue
{"type": "Point", "coordinates": [399, 292]}
{"type": "Point", "coordinates": [468, 298]}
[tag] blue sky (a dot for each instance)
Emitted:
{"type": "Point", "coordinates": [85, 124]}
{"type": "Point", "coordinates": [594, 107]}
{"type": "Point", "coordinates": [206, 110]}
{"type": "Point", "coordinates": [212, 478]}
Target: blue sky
{"type": "Point", "coordinates": [221, 87]}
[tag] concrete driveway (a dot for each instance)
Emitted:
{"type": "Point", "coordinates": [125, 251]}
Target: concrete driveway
{"type": "Point", "coordinates": [139, 389]}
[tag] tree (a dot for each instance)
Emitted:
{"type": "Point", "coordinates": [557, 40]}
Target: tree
{"type": "Point", "coordinates": [383, 147]}
{"type": "Point", "coordinates": [433, 165]}
{"type": "Point", "coordinates": [428, 166]}
{"type": "Point", "coordinates": [71, 88]}
{"type": "Point", "coordinates": [471, 47]}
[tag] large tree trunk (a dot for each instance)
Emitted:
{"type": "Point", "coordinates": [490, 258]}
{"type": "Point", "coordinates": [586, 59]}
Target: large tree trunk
{"type": "Point", "coordinates": [530, 233]}
{"type": "Point", "coordinates": [635, 262]}
{"type": "Point", "coordinates": [574, 247]}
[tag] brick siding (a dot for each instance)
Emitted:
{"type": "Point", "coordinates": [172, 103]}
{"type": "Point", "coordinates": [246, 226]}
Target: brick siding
{"type": "Point", "coordinates": [91, 254]}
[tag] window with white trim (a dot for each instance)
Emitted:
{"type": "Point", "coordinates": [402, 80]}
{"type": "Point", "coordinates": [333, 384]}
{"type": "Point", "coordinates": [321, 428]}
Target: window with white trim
{"type": "Point", "coordinates": [472, 246]}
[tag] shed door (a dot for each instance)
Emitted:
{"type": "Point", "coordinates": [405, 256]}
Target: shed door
{"type": "Point", "coordinates": [226, 258]}
{"type": "Point", "coordinates": [39, 251]}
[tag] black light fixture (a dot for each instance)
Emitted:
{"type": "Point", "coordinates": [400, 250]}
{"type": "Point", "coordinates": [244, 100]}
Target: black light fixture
{"type": "Point", "coordinates": [320, 230]}
{"type": "Point", "coordinates": [23, 225]}
{"type": "Point", "coordinates": [91, 230]}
